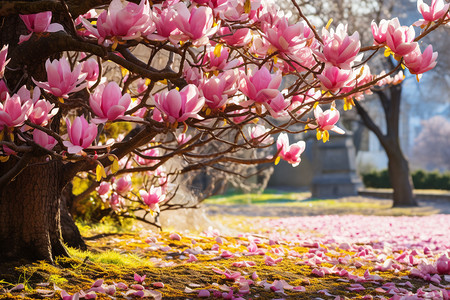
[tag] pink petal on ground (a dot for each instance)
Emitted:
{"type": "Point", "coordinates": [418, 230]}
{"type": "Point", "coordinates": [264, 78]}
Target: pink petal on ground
{"type": "Point", "coordinates": [175, 236]}
{"type": "Point", "coordinates": [97, 283]}
{"type": "Point", "coordinates": [204, 294]}
{"type": "Point", "coordinates": [158, 284]}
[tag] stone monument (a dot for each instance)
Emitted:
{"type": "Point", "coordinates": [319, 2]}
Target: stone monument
{"type": "Point", "coordinates": [335, 168]}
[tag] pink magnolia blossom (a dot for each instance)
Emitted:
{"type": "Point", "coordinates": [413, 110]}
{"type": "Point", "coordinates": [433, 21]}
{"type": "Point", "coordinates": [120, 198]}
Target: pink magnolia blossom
{"type": "Point", "coordinates": [334, 78]}
{"type": "Point", "coordinates": [153, 152]}
{"type": "Point", "coordinates": [196, 24]}
{"type": "Point", "coordinates": [213, 91]}
{"type": "Point", "coordinates": [213, 62]}
{"type": "Point", "coordinates": [326, 121]}
{"type": "Point", "coordinates": [239, 116]}
{"type": "Point", "coordinates": [277, 105]}
{"type": "Point", "coordinates": [178, 106]}
{"type": "Point", "coordinates": [261, 86]}
{"type": "Point", "coordinates": [166, 27]}
{"type": "Point", "coordinates": [183, 138]}
{"type": "Point", "coordinates": [13, 112]}
{"type": "Point", "coordinates": [91, 69]}
{"type": "Point", "coordinates": [142, 85]}
{"type": "Point", "coordinates": [125, 20]}
{"type": "Point", "coordinates": [400, 39]}
{"type": "Point", "coordinates": [290, 153]}
{"type": "Point", "coordinates": [237, 10]}
{"type": "Point", "coordinates": [81, 134]}
{"type": "Point", "coordinates": [3, 61]}
{"type": "Point", "coordinates": [103, 188]}
{"type": "Point", "coordinates": [39, 23]}
{"type": "Point", "coordinates": [152, 197]}
{"type": "Point", "coordinates": [379, 32]}
{"type": "Point", "coordinates": [238, 38]}
{"type": "Point", "coordinates": [108, 103]}
{"type": "Point", "coordinates": [434, 12]}
{"type": "Point", "coordinates": [418, 63]}
{"type": "Point", "coordinates": [42, 111]}
{"type": "Point", "coordinates": [43, 139]}
{"type": "Point", "coordinates": [116, 202]}
{"type": "Point", "coordinates": [123, 185]}
{"type": "Point", "coordinates": [259, 135]}
{"type": "Point", "coordinates": [288, 38]}
{"type": "Point", "coordinates": [217, 89]}
{"type": "Point", "coordinates": [192, 75]}
{"type": "Point", "coordinates": [61, 80]}
{"type": "Point", "coordinates": [339, 48]}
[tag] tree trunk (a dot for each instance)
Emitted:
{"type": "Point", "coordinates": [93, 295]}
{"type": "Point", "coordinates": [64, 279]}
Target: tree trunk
{"type": "Point", "coordinates": [400, 177]}
{"type": "Point", "coordinates": [70, 233]}
{"type": "Point", "coordinates": [30, 212]}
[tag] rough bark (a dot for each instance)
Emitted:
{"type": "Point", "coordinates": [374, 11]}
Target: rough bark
{"type": "Point", "coordinates": [398, 167]}
{"type": "Point", "coordinates": [400, 177]}
{"type": "Point", "coordinates": [30, 212]}
{"type": "Point", "coordinates": [70, 233]}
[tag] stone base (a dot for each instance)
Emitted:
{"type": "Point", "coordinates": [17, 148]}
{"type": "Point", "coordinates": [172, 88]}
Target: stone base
{"type": "Point", "coordinates": [335, 186]}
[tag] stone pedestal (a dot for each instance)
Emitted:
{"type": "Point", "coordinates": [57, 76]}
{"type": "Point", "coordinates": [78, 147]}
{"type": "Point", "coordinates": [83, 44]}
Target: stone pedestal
{"type": "Point", "coordinates": [335, 171]}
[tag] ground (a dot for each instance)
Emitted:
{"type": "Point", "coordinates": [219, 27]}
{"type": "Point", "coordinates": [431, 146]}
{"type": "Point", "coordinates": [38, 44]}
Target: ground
{"type": "Point", "coordinates": [286, 247]}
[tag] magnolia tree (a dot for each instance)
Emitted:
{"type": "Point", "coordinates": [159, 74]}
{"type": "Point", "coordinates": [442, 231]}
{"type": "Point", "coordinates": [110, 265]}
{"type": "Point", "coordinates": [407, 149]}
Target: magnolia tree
{"type": "Point", "coordinates": [207, 72]}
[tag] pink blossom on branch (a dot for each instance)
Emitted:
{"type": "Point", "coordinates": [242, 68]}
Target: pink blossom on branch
{"type": "Point", "coordinates": [400, 39]}
{"type": "Point", "coordinates": [339, 48]}
{"type": "Point", "coordinates": [238, 38]}
{"type": "Point", "coordinates": [259, 135]}
{"type": "Point", "coordinates": [81, 134]}
{"type": "Point", "coordinates": [43, 139]}
{"type": "Point", "coordinates": [61, 79]}
{"type": "Point", "coordinates": [418, 62]}
{"type": "Point", "coordinates": [91, 69]}
{"type": "Point", "coordinates": [261, 86]}
{"type": "Point", "coordinates": [432, 13]}
{"type": "Point", "coordinates": [123, 185]}
{"type": "Point", "coordinates": [290, 153]}
{"type": "Point", "coordinates": [42, 111]}
{"type": "Point", "coordinates": [178, 106]}
{"type": "Point", "coordinates": [108, 103]}
{"type": "Point", "coordinates": [288, 38]}
{"type": "Point", "coordinates": [196, 25]}
{"type": "Point", "coordinates": [13, 112]}
{"type": "Point", "coordinates": [39, 23]}
{"type": "Point", "coordinates": [217, 89]}
{"type": "Point", "coordinates": [379, 32]}
{"type": "Point", "coordinates": [164, 19]}
{"type": "Point", "coordinates": [213, 61]}
{"type": "Point", "coordinates": [334, 78]}
{"type": "Point", "coordinates": [153, 197]}
{"type": "Point", "coordinates": [326, 120]}
{"type": "Point", "coordinates": [124, 20]}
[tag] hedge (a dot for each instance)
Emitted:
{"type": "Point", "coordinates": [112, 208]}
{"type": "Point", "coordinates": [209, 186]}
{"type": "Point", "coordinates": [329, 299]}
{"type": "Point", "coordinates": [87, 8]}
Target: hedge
{"type": "Point", "coordinates": [421, 179]}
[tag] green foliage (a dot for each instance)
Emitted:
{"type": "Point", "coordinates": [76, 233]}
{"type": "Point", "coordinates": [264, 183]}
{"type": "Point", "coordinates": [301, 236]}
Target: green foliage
{"type": "Point", "coordinates": [421, 179]}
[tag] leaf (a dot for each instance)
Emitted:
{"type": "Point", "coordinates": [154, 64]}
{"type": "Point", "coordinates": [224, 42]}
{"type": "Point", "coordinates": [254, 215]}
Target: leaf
{"type": "Point", "coordinates": [218, 50]}
{"type": "Point", "coordinates": [247, 6]}
{"type": "Point", "coordinates": [277, 160]}
{"type": "Point", "coordinates": [100, 172]}
{"type": "Point", "coordinates": [115, 165]}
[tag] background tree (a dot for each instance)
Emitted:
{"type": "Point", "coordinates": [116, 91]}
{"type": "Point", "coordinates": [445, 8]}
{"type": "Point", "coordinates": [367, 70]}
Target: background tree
{"type": "Point", "coordinates": [210, 73]}
{"type": "Point", "coordinates": [435, 132]}
{"type": "Point", "coordinates": [390, 94]}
